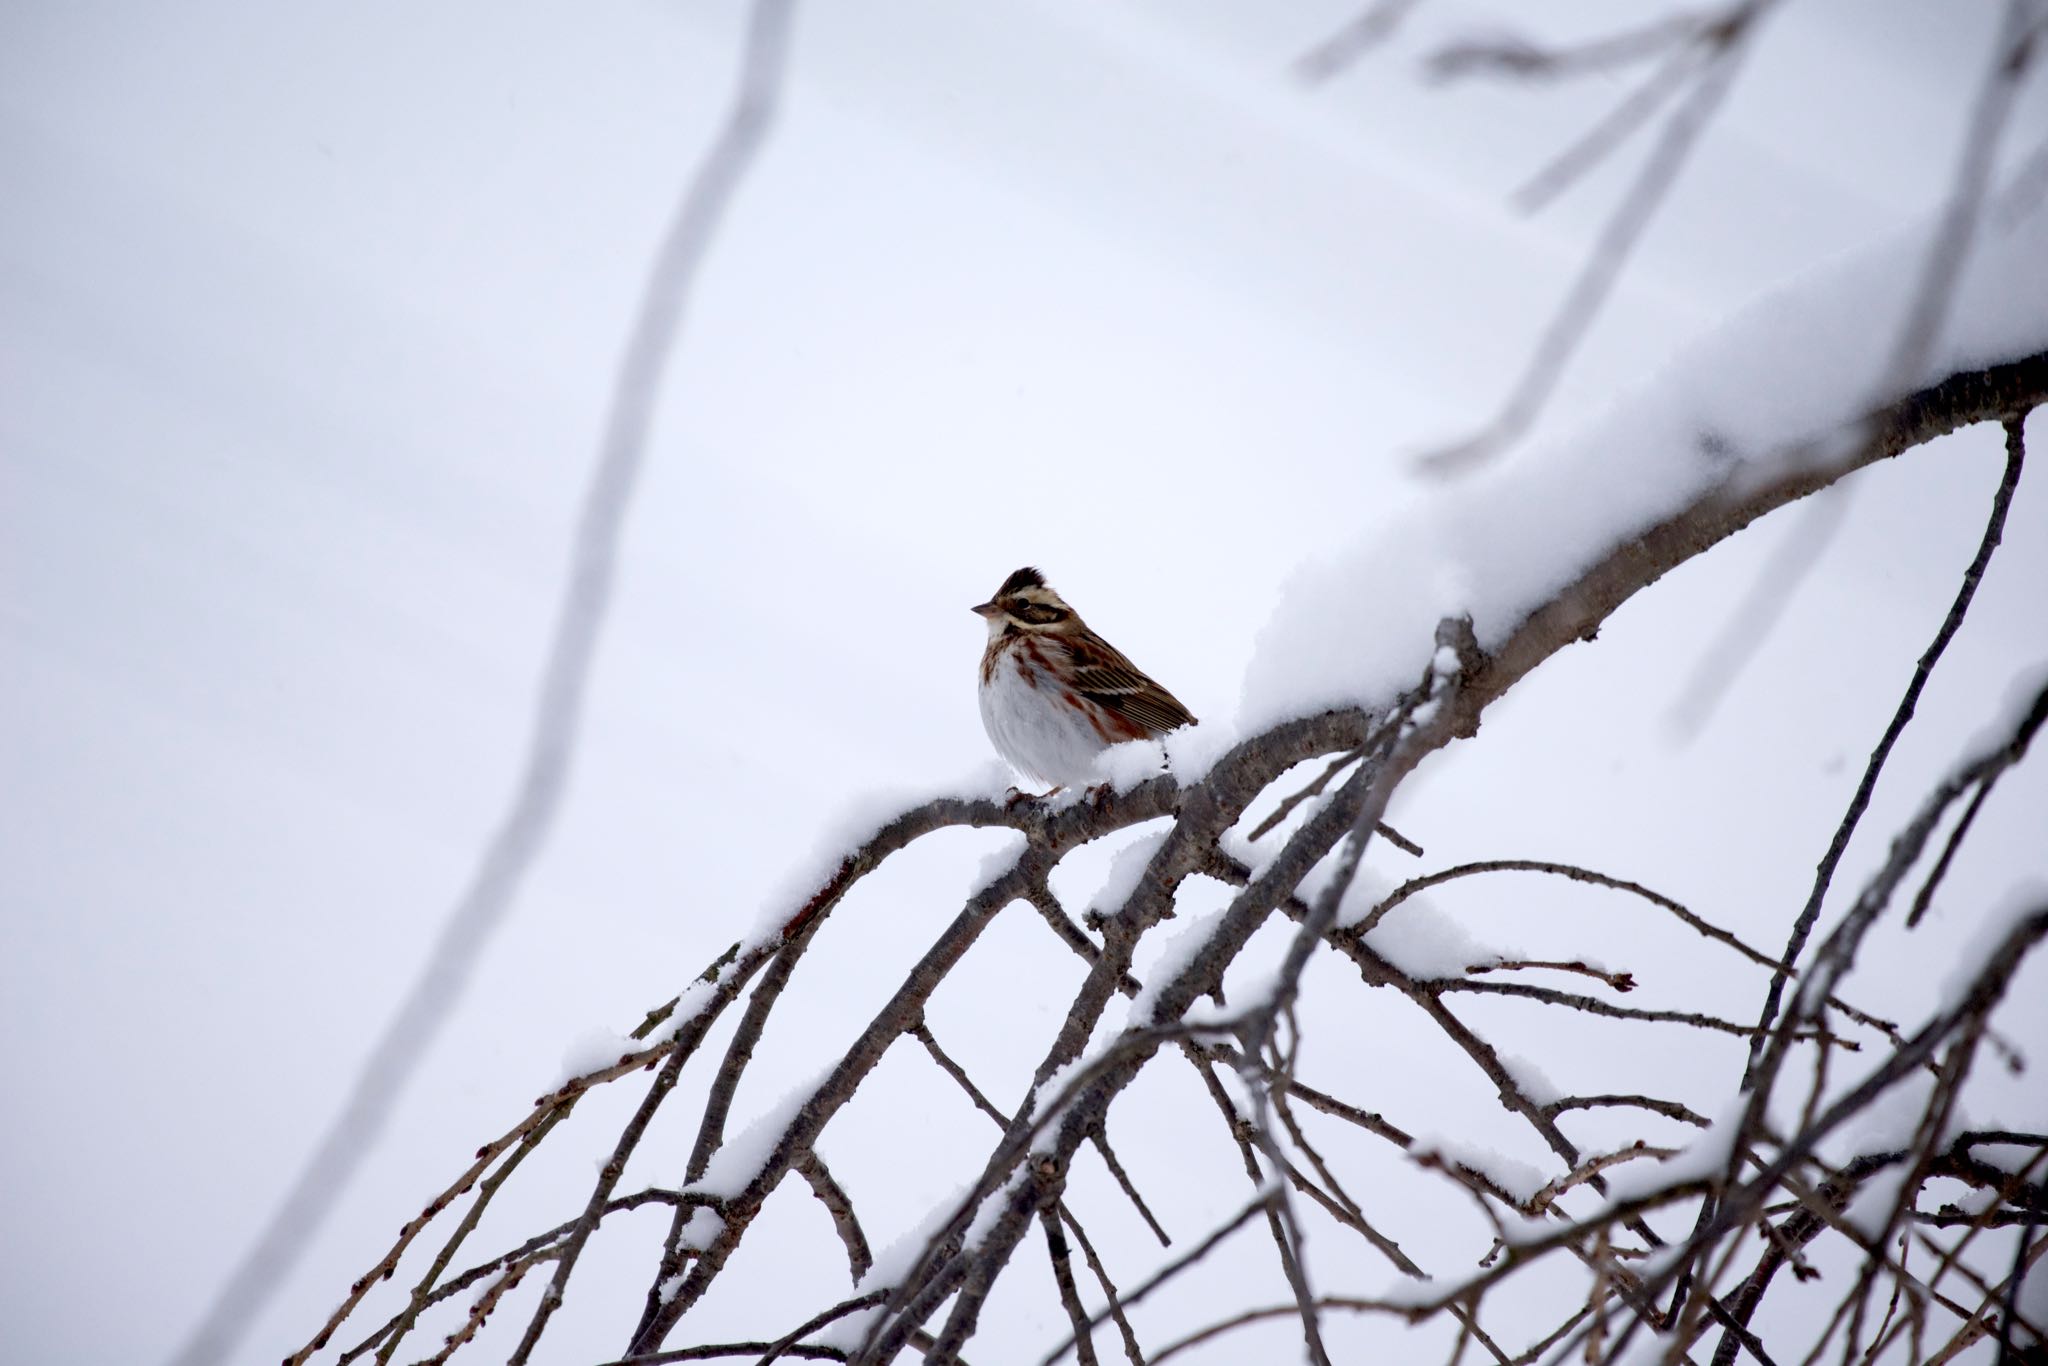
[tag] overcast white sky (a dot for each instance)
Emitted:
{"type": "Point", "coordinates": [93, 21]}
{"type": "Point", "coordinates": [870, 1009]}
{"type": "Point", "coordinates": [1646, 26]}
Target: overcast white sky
{"type": "Point", "coordinates": [307, 314]}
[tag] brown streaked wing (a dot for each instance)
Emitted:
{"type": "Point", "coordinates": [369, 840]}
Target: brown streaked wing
{"type": "Point", "coordinates": [1104, 676]}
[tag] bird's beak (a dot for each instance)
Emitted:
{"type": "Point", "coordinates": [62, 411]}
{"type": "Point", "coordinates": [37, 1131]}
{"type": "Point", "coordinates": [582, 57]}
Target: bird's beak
{"type": "Point", "coordinates": [985, 609]}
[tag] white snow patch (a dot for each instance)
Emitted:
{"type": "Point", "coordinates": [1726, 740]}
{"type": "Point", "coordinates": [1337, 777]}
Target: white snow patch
{"type": "Point", "coordinates": [1052, 1093]}
{"type": "Point", "coordinates": [1174, 957]}
{"type": "Point", "coordinates": [697, 995]}
{"type": "Point", "coordinates": [593, 1050]}
{"type": "Point", "coordinates": [1360, 897]}
{"type": "Point", "coordinates": [1367, 890]}
{"type": "Point", "coordinates": [856, 823]}
{"type": "Point", "coordinates": [1704, 1156]}
{"type": "Point", "coordinates": [1518, 1178]}
{"type": "Point", "coordinates": [704, 1226]}
{"type": "Point", "coordinates": [999, 861]}
{"type": "Point", "coordinates": [1532, 1080]}
{"type": "Point", "coordinates": [1888, 1124]}
{"type": "Point", "coordinates": [2021, 900]}
{"type": "Point", "coordinates": [1879, 1195]}
{"type": "Point", "coordinates": [848, 1333]}
{"type": "Point", "coordinates": [740, 1158]}
{"type": "Point", "coordinates": [1131, 763]}
{"type": "Point", "coordinates": [991, 1209]}
{"type": "Point", "coordinates": [1405, 1292]}
{"type": "Point", "coordinates": [1425, 943]}
{"type": "Point", "coordinates": [1777, 386]}
{"type": "Point", "coordinates": [890, 1266]}
{"type": "Point", "coordinates": [2011, 1158]}
{"type": "Point", "coordinates": [895, 1261]}
{"type": "Point", "coordinates": [1256, 857]}
{"type": "Point", "coordinates": [1517, 1228]}
{"type": "Point", "coordinates": [1192, 751]}
{"type": "Point", "coordinates": [1126, 868]}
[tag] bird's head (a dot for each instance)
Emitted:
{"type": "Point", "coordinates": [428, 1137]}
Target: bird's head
{"type": "Point", "coordinates": [1026, 603]}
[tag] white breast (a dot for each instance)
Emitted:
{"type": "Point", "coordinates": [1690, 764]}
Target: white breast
{"type": "Point", "coordinates": [1042, 736]}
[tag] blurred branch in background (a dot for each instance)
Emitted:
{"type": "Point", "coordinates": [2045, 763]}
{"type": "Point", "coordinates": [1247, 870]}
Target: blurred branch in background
{"type": "Point", "coordinates": [558, 713]}
{"type": "Point", "coordinates": [2013, 55]}
{"type": "Point", "coordinates": [1697, 56]}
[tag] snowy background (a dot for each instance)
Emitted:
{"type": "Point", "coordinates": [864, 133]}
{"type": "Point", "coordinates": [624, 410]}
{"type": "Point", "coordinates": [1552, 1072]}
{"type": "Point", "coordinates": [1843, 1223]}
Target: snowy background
{"type": "Point", "coordinates": [307, 315]}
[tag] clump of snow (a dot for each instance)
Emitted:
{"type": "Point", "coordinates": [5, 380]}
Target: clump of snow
{"type": "Point", "coordinates": [1780, 383]}
{"type": "Point", "coordinates": [704, 1226]}
{"type": "Point", "coordinates": [1517, 1228]}
{"type": "Point", "coordinates": [2025, 898]}
{"type": "Point", "coordinates": [1127, 765]}
{"type": "Point", "coordinates": [1349, 622]}
{"type": "Point", "coordinates": [1407, 1292]}
{"type": "Point", "coordinates": [699, 993]}
{"type": "Point", "coordinates": [741, 1157]}
{"type": "Point", "coordinates": [1425, 943]}
{"type": "Point", "coordinates": [1175, 955]}
{"type": "Point", "coordinates": [2011, 1158]}
{"type": "Point", "coordinates": [1125, 869]}
{"type": "Point", "coordinates": [895, 1262]}
{"type": "Point", "coordinates": [1532, 1081]}
{"type": "Point", "coordinates": [890, 1266]}
{"type": "Point", "coordinates": [1875, 1200]}
{"type": "Point", "coordinates": [1703, 1157]}
{"type": "Point", "coordinates": [1518, 1178]}
{"type": "Point", "coordinates": [1258, 857]}
{"type": "Point", "coordinates": [848, 1333]}
{"type": "Point", "coordinates": [1414, 936]}
{"type": "Point", "coordinates": [856, 823]}
{"type": "Point", "coordinates": [1886, 1125]}
{"type": "Point", "coordinates": [991, 1209]}
{"type": "Point", "coordinates": [1359, 898]}
{"type": "Point", "coordinates": [1049, 1098]}
{"type": "Point", "coordinates": [593, 1050]}
{"type": "Point", "coordinates": [1192, 751]}
{"type": "Point", "coordinates": [1001, 860]}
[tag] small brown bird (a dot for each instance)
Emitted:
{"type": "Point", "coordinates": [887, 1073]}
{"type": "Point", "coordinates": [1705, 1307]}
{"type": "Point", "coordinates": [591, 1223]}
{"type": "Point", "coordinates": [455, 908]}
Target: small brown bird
{"type": "Point", "coordinates": [1054, 694]}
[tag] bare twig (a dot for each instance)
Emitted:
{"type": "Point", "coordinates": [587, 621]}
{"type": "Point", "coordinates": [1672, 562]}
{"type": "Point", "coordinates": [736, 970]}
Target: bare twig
{"type": "Point", "coordinates": [1793, 561]}
{"type": "Point", "coordinates": [839, 1205]}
